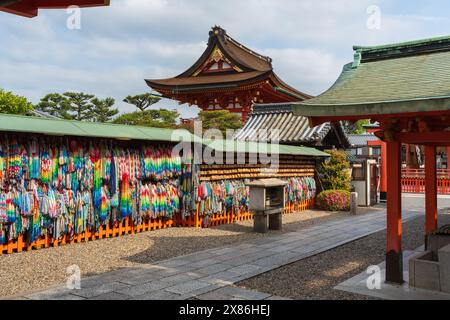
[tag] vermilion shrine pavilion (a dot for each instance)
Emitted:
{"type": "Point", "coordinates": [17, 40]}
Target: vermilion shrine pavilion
{"type": "Point", "coordinates": [406, 88]}
{"type": "Point", "coordinates": [29, 8]}
{"type": "Point", "coordinates": [228, 76]}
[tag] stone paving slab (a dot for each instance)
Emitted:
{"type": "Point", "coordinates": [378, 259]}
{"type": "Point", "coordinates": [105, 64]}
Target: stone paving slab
{"type": "Point", "coordinates": [199, 273]}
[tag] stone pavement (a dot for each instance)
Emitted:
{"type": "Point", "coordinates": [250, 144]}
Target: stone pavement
{"type": "Point", "coordinates": [209, 274]}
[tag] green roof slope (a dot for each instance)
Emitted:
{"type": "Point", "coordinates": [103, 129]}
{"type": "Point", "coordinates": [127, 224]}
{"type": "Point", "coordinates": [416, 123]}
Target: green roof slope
{"type": "Point", "coordinates": [53, 127]}
{"type": "Point", "coordinates": [14, 123]}
{"type": "Point", "coordinates": [393, 74]}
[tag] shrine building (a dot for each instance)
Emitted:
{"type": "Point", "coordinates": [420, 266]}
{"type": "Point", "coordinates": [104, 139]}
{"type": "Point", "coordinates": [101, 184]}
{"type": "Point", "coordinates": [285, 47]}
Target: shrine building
{"type": "Point", "coordinates": [405, 88]}
{"type": "Point", "coordinates": [228, 76]}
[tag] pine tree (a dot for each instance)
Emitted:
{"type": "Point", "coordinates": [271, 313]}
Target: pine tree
{"type": "Point", "coordinates": [102, 110]}
{"type": "Point", "coordinates": [142, 101]}
{"type": "Point", "coordinates": [55, 104]}
{"type": "Point", "coordinates": [151, 118]}
{"type": "Point", "coordinates": [80, 105]}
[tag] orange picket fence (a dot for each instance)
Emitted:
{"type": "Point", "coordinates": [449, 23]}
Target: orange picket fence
{"type": "Point", "coordinates": [127, 227]}
{"type": "Point", "coordinates": [417, 185]}
{"type": "Point", "coordinates": [299, 206]}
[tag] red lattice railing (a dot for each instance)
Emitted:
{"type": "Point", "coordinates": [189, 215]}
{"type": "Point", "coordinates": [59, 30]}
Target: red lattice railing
{"type": "Point", "coordinates": [413, 181]}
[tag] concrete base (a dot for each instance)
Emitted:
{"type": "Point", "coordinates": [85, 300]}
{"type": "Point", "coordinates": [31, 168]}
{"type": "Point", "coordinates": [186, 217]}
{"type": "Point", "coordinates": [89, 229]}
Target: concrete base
{"type": "Point", "coordinates": [424, 272]}
{"type": "Point", "coordinates": [389, 291]}
{"type": "Point", "coordinates": [431, 271]}
{"type": "Point", "coordinates": [265, 221]}
{"type": "Point", "coordinates": [437, 242]}
{"type": "Point", "coordinates": [276, 222]}
{"type": "Point", "coordinates": [261, 223]}
{"type": "Point", "coordinates": [444, 260]}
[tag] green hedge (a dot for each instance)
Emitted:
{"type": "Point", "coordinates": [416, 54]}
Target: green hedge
{"type": "Point", "coordinates": [334, 200]}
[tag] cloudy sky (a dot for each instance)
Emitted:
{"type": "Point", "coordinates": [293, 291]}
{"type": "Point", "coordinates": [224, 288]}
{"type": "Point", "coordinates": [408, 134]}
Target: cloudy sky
{"type": "Point", "coordinates": [117, 47]}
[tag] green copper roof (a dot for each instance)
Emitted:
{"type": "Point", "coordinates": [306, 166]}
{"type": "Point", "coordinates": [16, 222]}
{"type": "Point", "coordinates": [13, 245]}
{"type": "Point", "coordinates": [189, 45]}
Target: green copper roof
{"type": "Point", "coordinates": [398, 78]}
{"type": "Point", "coordinates": [404, 45]}
{"type": "Point", "coordinates": [258, 147]}
{"type": "Point", "coordinates": [52, 127]}
{"type": "Point", "coordinates": [13, 123]}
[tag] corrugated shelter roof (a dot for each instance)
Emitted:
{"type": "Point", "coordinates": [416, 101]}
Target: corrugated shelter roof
{"type": "Point", "coordinates": [279, 120]}
{"type": "Point", "coordinates": [360, 140]}
{"type": "Point", "coordinates": [47, 126]}
{"type": "Point", "coordinates": [389, 79]}
{"type": "Point", "coordinates": [53, 127]}
{"type": "Point", "coordinates": [260, 147]}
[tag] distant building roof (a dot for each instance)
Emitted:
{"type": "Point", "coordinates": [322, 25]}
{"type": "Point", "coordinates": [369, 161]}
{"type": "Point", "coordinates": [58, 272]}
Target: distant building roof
{"type": "Point", "coordinates": [244, 66]}
{"type": "Point", "coordinates": [42, 114]}
{"type": "Point", "coordinates": [278, 121]}
{"type": "Point", "coordinates": [361, 140]}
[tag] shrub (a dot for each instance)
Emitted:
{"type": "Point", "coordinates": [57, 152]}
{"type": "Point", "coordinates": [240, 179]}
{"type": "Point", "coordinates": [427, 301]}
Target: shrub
{"type": "Point", "coordinates": [334, 172]}
{"type": "Point", "coordinates": [334, 200]}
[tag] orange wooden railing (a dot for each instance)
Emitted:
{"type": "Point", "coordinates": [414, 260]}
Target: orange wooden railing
{"type": "Point", "coordinates": [413, 181]}
{"type": "Point", "coordinates": [127, 227]}
{"type": "Point", "coordinates": [299, 206]}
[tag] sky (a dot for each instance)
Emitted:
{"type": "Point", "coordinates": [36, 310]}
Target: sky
{"type": "Point", "coordinates": [115, 48]}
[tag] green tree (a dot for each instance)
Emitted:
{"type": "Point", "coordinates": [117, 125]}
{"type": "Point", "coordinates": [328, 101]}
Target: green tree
{"type": "Point", "coordinates": [335, 172]}
{"type": "Point", "coordinates": [80, 105]}
{"type": "Point", "coordinates": [355, 127]}
{"type": "Point", "coordinates": [161, 118]}
{"type": "Point", "coordinates": [55, 104]}
{"type": "Point", "coordinates": [102, 110]}
{"type": "Point", "coordinates": [142, 101]}
{"type": "Point", "coordinates": [220, 119]}
{"type": "Point", "coordinates": [14, 104]}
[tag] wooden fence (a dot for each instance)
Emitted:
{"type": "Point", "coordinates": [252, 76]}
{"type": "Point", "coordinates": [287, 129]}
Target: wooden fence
{"type": "Point", "coordinates": [413, 181]}
{"type": "Point", "coordinates": [127, 227]}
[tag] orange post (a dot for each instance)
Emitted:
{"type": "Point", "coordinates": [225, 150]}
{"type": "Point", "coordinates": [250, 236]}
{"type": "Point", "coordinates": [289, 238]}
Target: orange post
{"type": "Point", "coordinates": [197, 212]}
{"type": "Point", "coordinates": [394, 255]}
{"type": "Point", "coordinates": [384, 173]}
{"type": "Point", "coordinates": [431, 209]}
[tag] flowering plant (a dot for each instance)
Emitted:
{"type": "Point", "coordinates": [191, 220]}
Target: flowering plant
{"type": "Point", "coordinates": [334, 200]}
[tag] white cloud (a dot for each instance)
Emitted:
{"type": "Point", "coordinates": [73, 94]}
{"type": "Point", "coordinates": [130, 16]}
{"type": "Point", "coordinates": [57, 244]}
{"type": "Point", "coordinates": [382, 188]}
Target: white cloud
{"type": "Point", "coordinates": [121, 45]}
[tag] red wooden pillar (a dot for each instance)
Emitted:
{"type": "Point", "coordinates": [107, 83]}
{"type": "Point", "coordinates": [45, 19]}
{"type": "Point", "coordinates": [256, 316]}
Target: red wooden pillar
{"type": "Point", "coordinates": [431, 209]}
{"type": "Point", "coordinates": [448, 158]}
{"type": "Point", "coordinates": [383, 173]}
{"type": "Point", "coordinates": [394, 255]}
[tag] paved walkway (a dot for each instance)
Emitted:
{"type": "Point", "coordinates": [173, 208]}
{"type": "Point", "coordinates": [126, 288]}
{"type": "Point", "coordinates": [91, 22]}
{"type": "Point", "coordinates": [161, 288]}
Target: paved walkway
{"type": "Point", "coordinates": [208, 274]}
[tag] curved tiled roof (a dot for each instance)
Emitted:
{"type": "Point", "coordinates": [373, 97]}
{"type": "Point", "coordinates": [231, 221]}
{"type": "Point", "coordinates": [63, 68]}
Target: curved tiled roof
{"type": "Point", "coordinates": [278, 119]}
{"type": "Point", "coordinates": [252, 66]}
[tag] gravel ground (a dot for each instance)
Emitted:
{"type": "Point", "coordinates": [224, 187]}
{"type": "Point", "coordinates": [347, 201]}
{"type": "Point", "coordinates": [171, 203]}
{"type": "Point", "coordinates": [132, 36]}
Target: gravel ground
{"type": "Point", "coordinates": [315, 277]}
{"type": "Point", "coordinates": [35, 270]}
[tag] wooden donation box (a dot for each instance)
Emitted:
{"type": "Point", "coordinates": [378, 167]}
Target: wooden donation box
{"type": "Point", "coordinates": [267, 199]}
